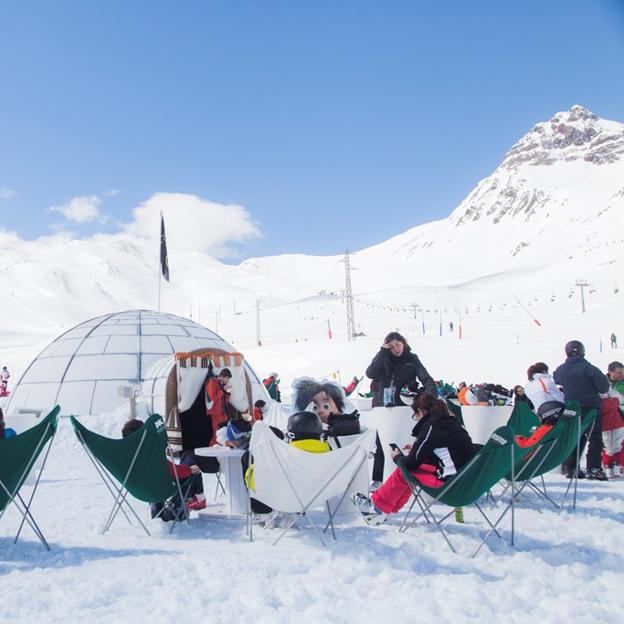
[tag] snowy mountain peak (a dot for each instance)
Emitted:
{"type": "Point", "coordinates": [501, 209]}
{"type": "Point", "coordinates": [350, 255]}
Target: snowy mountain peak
{"type": "Point", "coordinates": [575, 134]}
{"type": "Point", "coordinates": [564, 170]}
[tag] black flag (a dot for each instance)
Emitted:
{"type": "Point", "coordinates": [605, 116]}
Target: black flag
{"type": "Point", "coordinates": [164, 260]}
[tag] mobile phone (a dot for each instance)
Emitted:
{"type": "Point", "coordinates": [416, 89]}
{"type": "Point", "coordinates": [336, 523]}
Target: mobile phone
{"type": "Point", "coordinates": [394, 447]}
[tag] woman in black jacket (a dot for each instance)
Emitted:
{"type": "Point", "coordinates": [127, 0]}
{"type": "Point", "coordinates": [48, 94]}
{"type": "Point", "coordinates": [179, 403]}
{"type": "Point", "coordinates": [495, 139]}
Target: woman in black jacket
{"type": "Point", "coordinates": [395, 366]}
{"type": "Point", "coordinates": [440, 449]}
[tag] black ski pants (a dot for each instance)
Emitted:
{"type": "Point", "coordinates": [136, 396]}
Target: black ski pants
{"type": "Point", "coordinates": [594, 448]}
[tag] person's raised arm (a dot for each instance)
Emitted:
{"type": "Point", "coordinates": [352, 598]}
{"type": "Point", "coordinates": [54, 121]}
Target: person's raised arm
{"type": "Point", "coordinates": [376, 368]}
{"type": "Point", "coordinates": [425, 378]}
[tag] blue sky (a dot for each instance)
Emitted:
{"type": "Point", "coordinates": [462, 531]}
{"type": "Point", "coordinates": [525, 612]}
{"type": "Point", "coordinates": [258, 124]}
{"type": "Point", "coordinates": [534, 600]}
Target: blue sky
{"type": "Point", "coordinates": [335, 124]}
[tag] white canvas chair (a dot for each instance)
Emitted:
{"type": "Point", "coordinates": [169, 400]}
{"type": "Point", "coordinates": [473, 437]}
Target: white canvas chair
{"type": "Point", "coordinates": [293, 481]}
{"type": "Point", "coordinates": [363, 477]}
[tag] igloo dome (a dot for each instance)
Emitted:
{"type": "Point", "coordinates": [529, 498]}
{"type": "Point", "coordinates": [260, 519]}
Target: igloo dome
{"type": "Point", "coordinates": [83, 368]}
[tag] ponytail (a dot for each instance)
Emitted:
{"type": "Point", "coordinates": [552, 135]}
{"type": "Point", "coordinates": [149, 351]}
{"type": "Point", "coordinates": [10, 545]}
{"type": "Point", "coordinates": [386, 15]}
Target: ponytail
{"type": "Point", "coordinates": [538, 367]}
{"type": "Point", "coordinates": [429, 403]}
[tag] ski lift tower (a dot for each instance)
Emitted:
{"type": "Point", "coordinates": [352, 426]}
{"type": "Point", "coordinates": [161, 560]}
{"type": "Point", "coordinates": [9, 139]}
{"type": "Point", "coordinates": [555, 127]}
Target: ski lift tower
{"type": "Point", "coordinates": [349, 298]}
{"type": "Point", "coordinates": [582, 284]}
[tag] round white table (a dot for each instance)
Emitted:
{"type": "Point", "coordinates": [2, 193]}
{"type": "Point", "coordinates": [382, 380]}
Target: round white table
{"type": "Point", "coordinates": [480, 421]}
{"type": "Point", "coordinates": [231, 476]}
{"type": "Point", "coordinates": [393, 424]}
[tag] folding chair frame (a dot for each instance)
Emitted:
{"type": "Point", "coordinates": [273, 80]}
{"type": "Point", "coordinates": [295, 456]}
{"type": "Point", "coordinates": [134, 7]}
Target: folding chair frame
{"type": "Point", "coordinates": [18, 501]}
{"type": "Point", "coordinates": [305, 508]}
{"type": "Point", "coordinates": [120, 493]}
{"type": "Point", "coordinates": [544, 494]}
{"type": "Point", "coordinates": [426, 507]}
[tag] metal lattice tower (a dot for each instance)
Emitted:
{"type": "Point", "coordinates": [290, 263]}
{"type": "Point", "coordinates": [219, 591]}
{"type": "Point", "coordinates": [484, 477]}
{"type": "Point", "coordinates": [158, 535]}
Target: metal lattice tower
{"type": "Point", "coordinates": [349, 298]}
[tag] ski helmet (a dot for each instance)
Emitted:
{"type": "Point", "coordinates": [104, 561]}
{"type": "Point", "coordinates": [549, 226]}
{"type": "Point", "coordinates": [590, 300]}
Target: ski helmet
{"type": "Point", "coordinates": [304, 425]}
{"type": "Point", "coordinates": [575, 347]}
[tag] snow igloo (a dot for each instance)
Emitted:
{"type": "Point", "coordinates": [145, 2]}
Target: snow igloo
{"type": "Point", "coordinates": [82, 370]}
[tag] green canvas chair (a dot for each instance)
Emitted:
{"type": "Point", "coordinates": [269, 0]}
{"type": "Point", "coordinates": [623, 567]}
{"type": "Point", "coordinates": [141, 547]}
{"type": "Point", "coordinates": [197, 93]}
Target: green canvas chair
{"type": "Point", "coordinates": [455, 409]}
{"type": "Point", "coordinates": [554, 449]}
{"type": "Point", "coordinates": [138, 463]}
{"type": "Point", "coordinates": [17, 458]}
{"type": "Point", "coordinates": [497, 457]}
{"type": "Point", "coordinates": [523, 419]}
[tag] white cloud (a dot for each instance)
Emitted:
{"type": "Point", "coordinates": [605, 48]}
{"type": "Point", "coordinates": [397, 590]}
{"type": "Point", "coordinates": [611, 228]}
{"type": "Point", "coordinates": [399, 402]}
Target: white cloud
{"type": "Point", "coordinates": [6, 193]}
{"type": "Point", "coordinates": [80, 209]}
{"type": "Point", "coordinates": [193, 224]}
{"type": "Point", "coordinates": [112, 192]}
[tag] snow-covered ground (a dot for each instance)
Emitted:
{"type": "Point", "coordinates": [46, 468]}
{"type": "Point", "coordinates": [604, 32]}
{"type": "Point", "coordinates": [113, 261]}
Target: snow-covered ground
{"type": "Point", "coordinates": [564, 567]}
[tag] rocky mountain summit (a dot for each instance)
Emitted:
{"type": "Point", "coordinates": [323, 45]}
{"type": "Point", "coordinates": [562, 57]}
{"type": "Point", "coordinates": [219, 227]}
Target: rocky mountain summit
{"type": "Point", "coordinates": [550, 169]}
{"type": "Point", "coordinates": [571, 135]}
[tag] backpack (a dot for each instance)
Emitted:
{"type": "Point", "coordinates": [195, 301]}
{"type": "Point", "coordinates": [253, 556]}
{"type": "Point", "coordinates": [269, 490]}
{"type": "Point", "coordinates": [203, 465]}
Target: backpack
{"type": "Point", "coordinates": [343, 425]}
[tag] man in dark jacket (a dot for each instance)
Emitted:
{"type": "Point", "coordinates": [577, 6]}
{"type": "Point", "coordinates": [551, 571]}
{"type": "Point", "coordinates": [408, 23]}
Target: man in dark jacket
{"type": "Point", "coordinates": [583, 382]}
{"type": "Point", "coordinates": [395, 366]}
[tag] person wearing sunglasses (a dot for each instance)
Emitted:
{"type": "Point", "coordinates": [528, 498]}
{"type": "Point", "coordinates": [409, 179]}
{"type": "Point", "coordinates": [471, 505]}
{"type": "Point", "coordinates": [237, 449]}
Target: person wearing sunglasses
{"type": "Point", "coordinates": [441, 448]}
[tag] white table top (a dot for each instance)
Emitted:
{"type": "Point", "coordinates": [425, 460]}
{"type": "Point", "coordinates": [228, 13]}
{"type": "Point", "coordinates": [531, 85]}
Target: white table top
{"type": "Point", "coordinates": [218, 451]}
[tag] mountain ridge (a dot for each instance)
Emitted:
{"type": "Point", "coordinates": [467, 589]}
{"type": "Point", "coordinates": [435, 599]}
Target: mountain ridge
{"type": "Point", "coordinates": [525, 219]}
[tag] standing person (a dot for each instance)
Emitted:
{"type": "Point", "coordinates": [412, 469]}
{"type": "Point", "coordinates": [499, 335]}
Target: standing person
{"type": "Point", "coordinates": [393, 367]}
{"type": "Point", "coordinates": [440, 449]}
{"type": "Point", "coordinates": [217, 397]}
{"type": "Point", "coordinates": [451, 327]}
{"type": "Point", "coordinates": [613, 341]}
{"type": "Point", "coordinates": [613, 422]}
{"type": "Point", "coordinates": [583, 382]}
{"type": "Point", "coordinates": [615, 375]}
{"type": "Point", "coordinates": [271, 383]}
{"type": "Point", "coordinates": [4, 381]}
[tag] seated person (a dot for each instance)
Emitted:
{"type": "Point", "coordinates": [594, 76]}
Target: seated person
{"type": "Point", "coordinates": [235, 433]}
{"type": "Point", "coordinates": [440, 449]}
{"type": "Point", "coordinates": [464, 395]}
{"type": "Point", "coordinates": [352, 385]}
{"type": "Point", "coordinates": [304, 432]}
{"type": "Point", "coordinates": [258, 410]}
{"type": "Point", "coordinates": [189, 475]}
{"type": "Point", "coordinates": [5, 432]}
{"type": "Point", "coordinates": [540, 387]}
{"type": "Point", "coordinates": [549, 413]}
{"type": "Point", "coordinates": [519, 396]}
{"type": "Point", "coordinates": [327, 400]}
